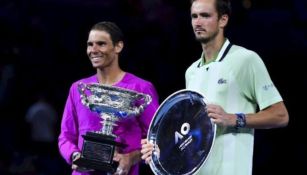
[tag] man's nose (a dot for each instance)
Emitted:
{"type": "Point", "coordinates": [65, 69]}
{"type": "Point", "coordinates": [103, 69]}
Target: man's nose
{"type": "Point", "coordinates": [94, 48]}
{"type": "Point", "coordinates": [197, 20]}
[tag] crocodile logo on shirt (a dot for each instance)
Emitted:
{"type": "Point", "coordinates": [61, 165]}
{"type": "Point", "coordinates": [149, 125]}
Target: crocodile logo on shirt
{"type": "Point", "coordinates": [222, 81]}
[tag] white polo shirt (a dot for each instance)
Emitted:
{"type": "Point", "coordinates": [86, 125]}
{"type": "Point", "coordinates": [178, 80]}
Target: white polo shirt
{"type": "Point", "coordinates": [239, 82]}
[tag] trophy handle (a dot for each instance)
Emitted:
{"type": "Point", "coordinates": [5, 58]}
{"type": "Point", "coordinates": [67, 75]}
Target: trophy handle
{"type": "Point", "coordinates": [147, 100]}
{"type": "Point", "coordinates": [84, 99]}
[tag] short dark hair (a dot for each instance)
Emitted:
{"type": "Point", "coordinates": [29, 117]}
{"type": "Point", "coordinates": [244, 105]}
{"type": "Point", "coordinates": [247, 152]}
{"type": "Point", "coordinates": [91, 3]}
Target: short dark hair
{"type": "Point", "coordinates": [110, 27]}
{"type": "Point", "coordinates": [222, 6]}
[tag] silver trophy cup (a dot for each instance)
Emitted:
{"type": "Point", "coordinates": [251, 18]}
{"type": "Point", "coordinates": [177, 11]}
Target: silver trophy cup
{"type": "Point", "coordinates": [112, 104]}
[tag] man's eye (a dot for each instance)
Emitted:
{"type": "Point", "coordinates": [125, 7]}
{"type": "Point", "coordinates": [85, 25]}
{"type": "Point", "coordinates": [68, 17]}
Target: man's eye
{"type": "Point", "coordinates": [205, 15]}
{"type": "Point", "coordinates": [101, 43]}
{"type": "Point", "coordinates": [194, 16]}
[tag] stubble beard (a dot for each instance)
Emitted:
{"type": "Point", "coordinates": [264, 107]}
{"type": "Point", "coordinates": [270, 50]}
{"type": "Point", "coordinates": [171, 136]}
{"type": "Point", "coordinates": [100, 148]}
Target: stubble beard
{"type": "Point", "coordinates": [205, 40]}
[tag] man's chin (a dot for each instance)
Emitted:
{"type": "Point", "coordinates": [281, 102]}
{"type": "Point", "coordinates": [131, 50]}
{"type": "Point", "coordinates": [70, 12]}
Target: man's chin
{"type": "Point", "coordinates": [95, 66]}
{"type": "Point", "coordinates": [202, 39]}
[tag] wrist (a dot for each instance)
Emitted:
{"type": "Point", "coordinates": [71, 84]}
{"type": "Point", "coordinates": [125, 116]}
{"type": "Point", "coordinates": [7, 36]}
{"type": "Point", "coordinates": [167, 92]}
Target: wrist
{"type": "Point", "coordinates": [74, 155]}
{"type": "Point", "coordinates": [240, 121]}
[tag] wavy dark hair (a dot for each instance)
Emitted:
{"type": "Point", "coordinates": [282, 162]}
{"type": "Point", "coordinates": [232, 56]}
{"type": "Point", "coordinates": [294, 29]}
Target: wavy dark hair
{"type": "Point", "coordinates": [111, 28]}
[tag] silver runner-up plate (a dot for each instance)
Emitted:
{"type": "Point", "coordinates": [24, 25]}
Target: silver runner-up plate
{"type": "Point", "coordinates": [182, 134]}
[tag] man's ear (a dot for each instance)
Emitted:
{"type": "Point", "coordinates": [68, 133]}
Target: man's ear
{"type": "Point", "coordinates": [223, 21]}
{"type": "Point", "coordinates": [119, 46]}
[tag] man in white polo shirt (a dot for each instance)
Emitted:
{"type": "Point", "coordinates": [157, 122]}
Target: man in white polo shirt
{"type": "Point", "coordinates": [238, 87]}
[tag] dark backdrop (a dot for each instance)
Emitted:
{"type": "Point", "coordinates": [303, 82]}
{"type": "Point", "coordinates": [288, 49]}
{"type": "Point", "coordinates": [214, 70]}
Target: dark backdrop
{"type": "Point", "coordinates": [43, 49]}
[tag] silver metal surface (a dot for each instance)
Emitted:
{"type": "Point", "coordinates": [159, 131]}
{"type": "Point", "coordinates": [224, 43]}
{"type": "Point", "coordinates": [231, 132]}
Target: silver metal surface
{"type": "Point", "coordinates": [112, 103]}
{"type": "Point", "coordinates": [182, 134]}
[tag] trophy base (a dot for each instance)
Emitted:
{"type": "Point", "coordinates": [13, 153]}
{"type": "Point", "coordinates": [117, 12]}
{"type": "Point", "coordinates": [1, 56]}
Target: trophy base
{"type": "Point", "coordinates": [98, 151]}
{"type": "Point", "coordinates": [96, 165]}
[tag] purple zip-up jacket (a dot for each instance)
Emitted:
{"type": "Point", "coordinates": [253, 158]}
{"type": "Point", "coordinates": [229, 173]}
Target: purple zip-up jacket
{"type": "Point", "coordinates": [78, 119]}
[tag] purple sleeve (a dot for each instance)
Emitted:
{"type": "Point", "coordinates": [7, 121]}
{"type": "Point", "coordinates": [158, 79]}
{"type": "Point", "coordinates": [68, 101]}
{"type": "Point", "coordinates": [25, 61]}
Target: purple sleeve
{"type": "Point", "coordinates": [150, 110]}
{"type": "Point", "coordinates": [68, 138]}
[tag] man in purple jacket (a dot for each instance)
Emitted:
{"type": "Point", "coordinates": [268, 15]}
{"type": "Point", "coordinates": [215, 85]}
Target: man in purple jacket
{"type": "Point", "coordinates": [105, 42]}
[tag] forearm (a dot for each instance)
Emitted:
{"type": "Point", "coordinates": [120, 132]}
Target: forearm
{"type": "Point", "coordinates": [66, 149]}
{"type": "Point", "coordinates": [274, 116]}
